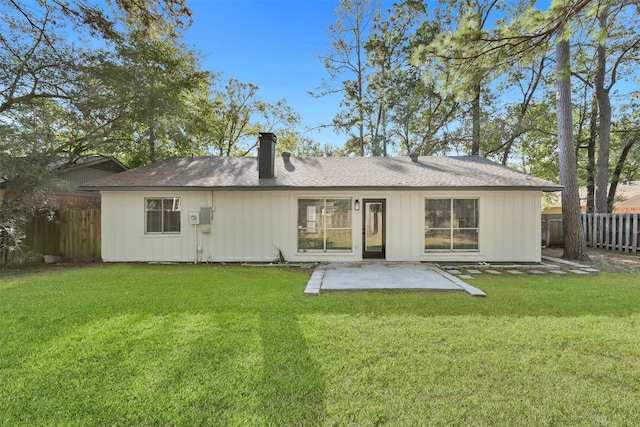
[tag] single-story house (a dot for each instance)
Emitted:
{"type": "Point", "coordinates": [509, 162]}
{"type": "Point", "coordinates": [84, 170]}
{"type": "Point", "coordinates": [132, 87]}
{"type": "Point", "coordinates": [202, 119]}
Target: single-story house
{"type": "Point", "coordinates": [213, 209]}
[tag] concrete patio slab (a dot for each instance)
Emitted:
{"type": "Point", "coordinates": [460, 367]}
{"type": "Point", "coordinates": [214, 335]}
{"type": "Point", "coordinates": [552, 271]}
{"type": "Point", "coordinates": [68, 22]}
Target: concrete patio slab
{"type": "Point", "coordinates": [391, 275]}
{"type": "Point", "coordinates": [313, 285]}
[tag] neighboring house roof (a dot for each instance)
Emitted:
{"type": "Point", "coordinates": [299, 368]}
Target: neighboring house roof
{"type": "Point", "coordinates": [631, 205]}
{"type": "Point", "coordinates": [105, 163]}
{"type": "Point", "coordinates": [86, 169]}
{"type": "Point", "coordinates": [63, 168]}
{"type": "Point", "coordinates": [627, 190]}
{"type": "Point", "coordinates": [626, 200]}
{"type": "Point", "coordinates": [339, 173]}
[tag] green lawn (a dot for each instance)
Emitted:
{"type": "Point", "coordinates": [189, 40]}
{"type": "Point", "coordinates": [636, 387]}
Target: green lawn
{"type": "Point", "coordinates": [202, 345]}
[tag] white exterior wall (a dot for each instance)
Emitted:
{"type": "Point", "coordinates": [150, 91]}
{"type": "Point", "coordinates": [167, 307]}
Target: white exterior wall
{"type": "Point", "coordinates": [251, 225]}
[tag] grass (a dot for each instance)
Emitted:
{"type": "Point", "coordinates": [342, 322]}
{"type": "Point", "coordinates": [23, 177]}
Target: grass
{"type": "Point", "coordinates": [203, 345]}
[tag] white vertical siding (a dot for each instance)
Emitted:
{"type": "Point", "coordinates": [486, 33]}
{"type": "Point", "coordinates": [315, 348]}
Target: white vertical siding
{"type": "Point", "coordinates": [405, 225]}
{"type": "Point", "coordinates": [252, 225]}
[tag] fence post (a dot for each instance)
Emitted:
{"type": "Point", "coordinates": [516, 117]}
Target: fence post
{"type": "Point", "coordinates": [620, 231]}
{"type": "Point", "coordinates": [627, 232]}
{"type": "Point", "coordinates": [634, 233]}
{"type": "Point", "coordinates": [614, 233]}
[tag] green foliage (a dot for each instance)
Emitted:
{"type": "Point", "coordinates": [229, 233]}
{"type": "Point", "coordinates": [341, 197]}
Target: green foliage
{"type": "Point", "coordinates": [229, 118]}
{"type": "Point", "coordinates": [280, 258]}
{"type": "Point", "coordinates": [231, 345]}
{"type": "Point", "coordinates": [26, 181]}
{"type": "Point", "coordinates": [56, 101]}
{"type": "Point", "coordinates": [297, 144]}
{"type": "Point", "coordinates": [153, 81]}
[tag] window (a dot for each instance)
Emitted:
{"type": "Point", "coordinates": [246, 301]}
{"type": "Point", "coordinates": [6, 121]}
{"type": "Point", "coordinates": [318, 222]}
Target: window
{"type": "Point", "coordinates": [162, 215]}
{"type": "Point", "coordinates": [451, 225]}
{"type": "Point", "coordinates": [324, 225]}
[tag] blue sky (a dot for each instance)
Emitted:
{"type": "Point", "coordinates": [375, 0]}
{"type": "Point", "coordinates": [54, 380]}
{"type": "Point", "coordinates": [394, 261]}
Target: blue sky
{"type": "Point", "coordinates": [272, 44]}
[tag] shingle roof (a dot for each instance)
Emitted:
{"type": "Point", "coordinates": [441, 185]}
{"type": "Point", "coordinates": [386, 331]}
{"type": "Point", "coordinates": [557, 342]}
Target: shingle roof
{"type": "Point", "coordinates": [228, 173]}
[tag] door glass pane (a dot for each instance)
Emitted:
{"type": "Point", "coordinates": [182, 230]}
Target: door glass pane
{"type": "Point", "coordinates": [373, 227]}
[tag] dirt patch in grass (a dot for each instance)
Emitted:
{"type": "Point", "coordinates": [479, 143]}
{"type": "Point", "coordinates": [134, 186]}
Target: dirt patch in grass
{"type": "Point", "coordinates": [603, 260]}
{"type": "Point", "coordinates": [40, 267]}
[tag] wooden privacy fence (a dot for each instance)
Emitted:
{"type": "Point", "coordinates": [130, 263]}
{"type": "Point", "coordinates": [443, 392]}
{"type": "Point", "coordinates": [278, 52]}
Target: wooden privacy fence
{"type": "Point", "coordinates": [618, 232]}
{"type": "Point", "coordinates": [552, 230]}
{"type": "Point", "coordinates": [73, 234]}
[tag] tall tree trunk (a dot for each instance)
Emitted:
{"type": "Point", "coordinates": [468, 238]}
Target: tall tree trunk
{"type": "Point", "coordinates": [615, 178]}
{"type": "Point", "coordinates": [604, 107]}
{"type": "Point", "coordinates": [152, 144]}
{"type": "Point", "coordinates": [571, 223]}
{"type": "Point", "coordinates": [475, 117]}
{"type": "Point", "coordinates": [591, 158]}
{"type": "Point", "coordinates": [360, 96]}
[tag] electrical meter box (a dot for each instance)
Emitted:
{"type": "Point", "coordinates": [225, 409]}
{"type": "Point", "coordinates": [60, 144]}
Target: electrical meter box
{"type": "Point", "coordinates": [205, 215]}
{"type": "Point", "coordinates": [194, 218]}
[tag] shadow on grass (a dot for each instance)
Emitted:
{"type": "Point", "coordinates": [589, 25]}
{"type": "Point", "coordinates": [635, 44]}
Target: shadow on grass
{"type": "Point", "coordinates": [292, 387]}
{"type": "Point", "coordinates": [137, 370]}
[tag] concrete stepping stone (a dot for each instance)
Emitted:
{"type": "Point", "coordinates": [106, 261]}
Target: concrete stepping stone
{"type": "Point", "coordinates": [454, 271]}
{"type": "Point", "coordinates": [474, 271]}
{"type": "Point", "coordinates": [536, 272]}
{"type": "Point", "coordinates": [465, 276]}
{"type": "Point", "coordinates": [591, 270]}
{"type": "Point", "coordinates": [578, 272]}
{"type": "Point", "coordinates": [514, 271]}
{"type": "Point", "coordinates": [493, 272]}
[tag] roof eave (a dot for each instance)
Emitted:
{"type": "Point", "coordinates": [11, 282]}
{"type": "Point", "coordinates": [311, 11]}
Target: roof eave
{"type": "Point", "coordinates": [545, 189]}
